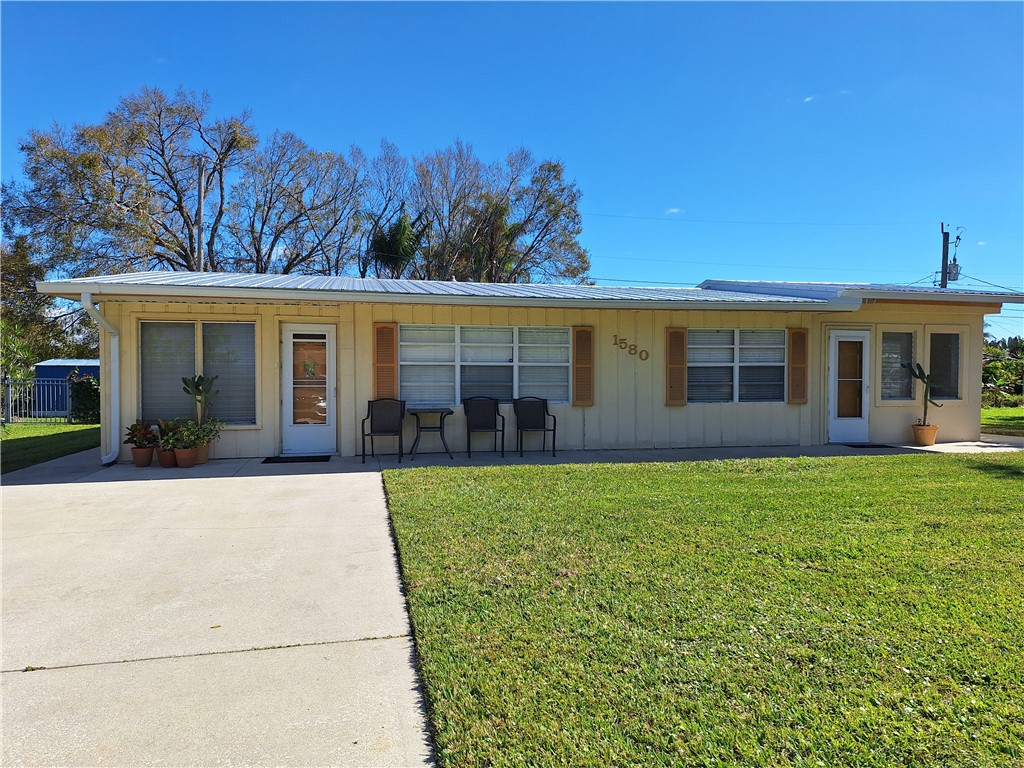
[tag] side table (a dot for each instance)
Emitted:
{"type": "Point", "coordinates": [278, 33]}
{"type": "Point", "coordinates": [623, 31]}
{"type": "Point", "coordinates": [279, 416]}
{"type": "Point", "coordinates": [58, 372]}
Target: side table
{"type": "Point", "coordinates": [442, 414]}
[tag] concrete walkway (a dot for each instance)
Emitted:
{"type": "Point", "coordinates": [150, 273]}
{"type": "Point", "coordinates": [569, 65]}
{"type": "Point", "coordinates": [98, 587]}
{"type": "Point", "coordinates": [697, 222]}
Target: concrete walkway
{"type": "Point", "coordinates": [234, 614]}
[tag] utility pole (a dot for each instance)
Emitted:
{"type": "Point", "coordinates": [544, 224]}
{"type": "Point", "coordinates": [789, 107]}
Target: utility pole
{"type": "Point", "coordinates": [945, 256]}
{"type": "Point", "coordinates": [199, 220]}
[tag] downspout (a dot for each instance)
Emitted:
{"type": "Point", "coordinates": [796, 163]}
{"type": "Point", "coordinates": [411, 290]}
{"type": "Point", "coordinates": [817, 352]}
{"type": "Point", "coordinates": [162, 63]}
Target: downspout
{"type": "Point", "coordinates": [115, 378]}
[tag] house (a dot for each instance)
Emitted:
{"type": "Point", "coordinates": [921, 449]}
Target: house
{"type": "Point", "coordinates": [726, 363]}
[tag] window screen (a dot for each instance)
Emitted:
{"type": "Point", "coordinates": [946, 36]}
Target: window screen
{"type": "Point", "coordinates": [897, 349]}
{"type": "Point", "coordinates": [726, 365]}
{"type": "Point", "coordinates": [442, 365]}
{"type": "Point", "coordinates": [229, 353]}
{"type": "Point", "coordinates": [944, 362]}
{"type": "Point", "coordinates": [172, 351]}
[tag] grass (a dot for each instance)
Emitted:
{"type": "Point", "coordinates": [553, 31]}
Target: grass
{"type": "Point", "coordinates": [837, 612]}
{"type": "Point", "coordinates": [23, 445]}
{"type": "Point", "coordinates": [1002, 421]}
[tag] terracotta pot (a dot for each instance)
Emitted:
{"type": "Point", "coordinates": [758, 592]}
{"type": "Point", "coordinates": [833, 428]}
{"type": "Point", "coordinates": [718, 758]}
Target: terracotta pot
{"type": "Point", "coordinates": [186, 457]}
{"type": "Point", "coordinates": [166, 458]}
{"type": "Point", "coordinates": [202, 453]}
{"type": "Point", "coordinates": [925, 434]}
{"type": "Point", "coordinates": [142, 457]}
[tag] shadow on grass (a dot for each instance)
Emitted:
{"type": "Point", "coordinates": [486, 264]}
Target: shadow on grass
{"type": "Point", "coordinates": [1000, 470]}
{"type": "Point", "coordinates": [21, 452]}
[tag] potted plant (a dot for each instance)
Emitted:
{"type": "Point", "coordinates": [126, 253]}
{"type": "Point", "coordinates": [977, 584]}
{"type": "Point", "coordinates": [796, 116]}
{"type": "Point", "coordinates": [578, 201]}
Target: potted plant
{"type": "Point", "coordinates": [924, 433]}
{"type": "Point", "coordinates": [208, 431]}
{"type": "Point", "coordinates": [185, 441]}
{"type": "Point", "coordinates": [200, 389]}
{"type": "Point", "coordinates": [143, 440]}
{"type": "Point", "coordinates": [167, 431]}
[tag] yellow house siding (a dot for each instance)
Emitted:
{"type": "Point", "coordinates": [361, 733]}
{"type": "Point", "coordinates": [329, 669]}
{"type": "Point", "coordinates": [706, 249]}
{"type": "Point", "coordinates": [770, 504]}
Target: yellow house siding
{"type": "Point", "coordinates": [890, 421]}
{"type": "Point", "coordinates": [629, 409]}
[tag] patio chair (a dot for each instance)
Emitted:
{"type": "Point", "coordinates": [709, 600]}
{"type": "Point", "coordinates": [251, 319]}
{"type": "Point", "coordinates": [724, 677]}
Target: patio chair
{"type": "Point", "coordinates": [482, 416]}
{"type": "Point", "coordinates": [385, 416]}
{"type": "Point", "coordinates": [532, 416]}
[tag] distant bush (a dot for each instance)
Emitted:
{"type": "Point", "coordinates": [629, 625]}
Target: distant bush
{"type": "Point", "coordinates": [84, 391]}
{"type": "Point", "coordinates": [1002, 374]}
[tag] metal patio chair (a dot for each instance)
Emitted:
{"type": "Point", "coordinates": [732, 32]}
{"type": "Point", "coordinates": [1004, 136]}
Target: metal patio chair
{"type": "Point", "coordinates": [385, 416]}
{"type": "Point", "coordinates": [532, 416]}
{"type": "Point", "coordinates": [482, 416]}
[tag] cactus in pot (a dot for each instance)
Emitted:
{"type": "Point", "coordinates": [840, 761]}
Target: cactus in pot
{"type": "Point", "coordinates": [924, 433]}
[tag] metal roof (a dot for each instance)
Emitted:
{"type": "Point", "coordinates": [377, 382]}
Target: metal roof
{"type": "Point", "coordinates": [714, 294]}
{"type": "Point", "coordinates": [69, 361]}
{"type": "Point", "coordinates": [217, 285]}
{"type": "Point", "coordinates": [416, 287]}
{"type": "Point", "coordinates": [828, 291]}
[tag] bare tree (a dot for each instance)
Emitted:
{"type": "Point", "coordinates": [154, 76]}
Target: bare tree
{"type": "Point", "coordinates": [448, 185]}
{"type": "Point", "coordinates": [159, 181]}
{"type": "Point", "coordinates": [296, 210]}
{"type": "Point", "coordinates": [125, 193]}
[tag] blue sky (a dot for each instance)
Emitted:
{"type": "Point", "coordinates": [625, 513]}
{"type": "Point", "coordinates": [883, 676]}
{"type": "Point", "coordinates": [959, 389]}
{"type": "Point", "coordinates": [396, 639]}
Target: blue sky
{"type": "Point", "coordinates": [776, 141]}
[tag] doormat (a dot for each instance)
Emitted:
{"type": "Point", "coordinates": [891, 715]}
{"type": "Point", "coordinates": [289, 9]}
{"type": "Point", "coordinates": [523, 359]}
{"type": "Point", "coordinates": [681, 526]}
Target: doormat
{"type": "Point", "coordinates": [294, 459]}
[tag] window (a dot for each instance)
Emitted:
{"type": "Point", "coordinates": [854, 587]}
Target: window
{"type": "Point", "coordinates": [171, 351]}
{"type": "Point", "coordinates": [897, 349]}
{"type": "Point", "coordinates": [441, 365]}
{"type": "Point", "coordinates": [727, 366]}
{"type": "Point", "coordinates": [944, 365]}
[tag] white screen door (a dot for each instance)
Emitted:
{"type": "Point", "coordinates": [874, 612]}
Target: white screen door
{"type": "Point", "coordinates": [849, 386]}
{"type": "Point", "coordinates": [309, 394]}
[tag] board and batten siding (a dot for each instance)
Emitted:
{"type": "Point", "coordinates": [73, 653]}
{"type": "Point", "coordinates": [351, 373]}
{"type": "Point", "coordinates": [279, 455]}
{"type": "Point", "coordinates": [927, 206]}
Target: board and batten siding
{"type": "Point", "coordinates": [890, 420]}
{"type": "Point", "coordinates": [631, 408]}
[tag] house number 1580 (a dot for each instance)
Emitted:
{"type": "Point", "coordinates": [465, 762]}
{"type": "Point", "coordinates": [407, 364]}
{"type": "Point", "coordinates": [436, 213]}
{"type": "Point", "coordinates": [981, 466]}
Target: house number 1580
{"type": "Point", "coordinates": [623, 343]}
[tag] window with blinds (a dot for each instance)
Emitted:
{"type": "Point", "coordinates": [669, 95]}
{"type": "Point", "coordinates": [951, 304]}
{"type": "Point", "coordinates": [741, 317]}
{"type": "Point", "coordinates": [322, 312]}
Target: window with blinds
{"type": "Point", "coordinates": [168, 352]}
{"type": "Point", "coordinates": [172, 351]}
{"type": "Point", "coordinates": [944, 361]}
{"type": "Point", "coordinates": [730, 365]}
{"type": "Point", "coordinates": [442, 365]}
{"type": "Point", "coordinates": [897, 350]}
{"type": "Point", "coordinates": [229, 353]}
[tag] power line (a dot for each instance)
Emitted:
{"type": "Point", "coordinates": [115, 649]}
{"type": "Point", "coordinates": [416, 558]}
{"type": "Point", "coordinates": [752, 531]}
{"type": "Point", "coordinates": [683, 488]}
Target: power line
{"type": "Point", "coordinates": [985, 282]}
{"type": "Point", "coordinates": [783, 223]}
{"type": "Point", "coordinates": [929, 276]}
{"type": "Point", "coordinates": [734, 264]}
{"type": "Point", "coordinates": [759, 223]}
{"type": "Point", "coordinates": [631, 281]}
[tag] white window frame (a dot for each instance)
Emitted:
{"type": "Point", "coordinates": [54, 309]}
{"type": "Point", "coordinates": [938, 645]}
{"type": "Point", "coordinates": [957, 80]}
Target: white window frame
{"type": "Point", "coordinates": [736, 364]}
{"type": "Point", "coordinates": [515, 363]}
{"type": "Point", "coordinates": [198, 359]}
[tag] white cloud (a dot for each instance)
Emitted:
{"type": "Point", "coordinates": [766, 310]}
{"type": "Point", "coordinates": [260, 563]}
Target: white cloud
{"type": "Point", "coordinates": [981, 242]}
{"type": "Point", "coordinates": [673, 210]}
{"type": "Point", "coordinates": [809, 99]}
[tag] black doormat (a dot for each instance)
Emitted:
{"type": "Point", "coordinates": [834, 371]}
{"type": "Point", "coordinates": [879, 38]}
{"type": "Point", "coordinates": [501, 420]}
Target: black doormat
{"type": "Point", "coordinates": [294, 459]}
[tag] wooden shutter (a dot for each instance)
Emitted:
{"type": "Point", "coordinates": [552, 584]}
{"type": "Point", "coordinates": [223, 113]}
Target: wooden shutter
{"type": "Point", "coordinates": [797, 373]}
{"type": "Point", "coordinates": [675, 366]}
{"type": "Point", "coordinates": [583, 365]}
{"type": "Point", "coordinates": [385, 360]}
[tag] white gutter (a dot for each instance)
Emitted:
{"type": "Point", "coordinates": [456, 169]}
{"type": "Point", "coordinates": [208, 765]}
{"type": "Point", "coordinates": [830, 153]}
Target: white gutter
{"type": "Point", "coordinates": [115, 378]}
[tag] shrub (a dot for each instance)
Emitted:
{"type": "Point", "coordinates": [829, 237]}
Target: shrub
{"type": "Point", "coordinates": [84, 391]}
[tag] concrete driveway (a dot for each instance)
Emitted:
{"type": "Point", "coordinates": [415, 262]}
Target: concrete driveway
{"type": "Point", "coordinates": [235, 614]}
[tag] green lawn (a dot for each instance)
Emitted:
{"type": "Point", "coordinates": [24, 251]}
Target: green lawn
{"type": "Point", "coordinates": [1002, 421]}
{"type": "Point", "coordinates": [838, 612]}
{"type": "Point", "coordinates": [22, 445]}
